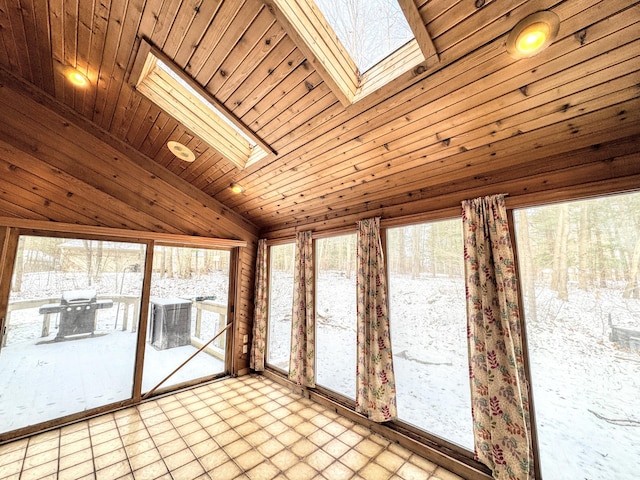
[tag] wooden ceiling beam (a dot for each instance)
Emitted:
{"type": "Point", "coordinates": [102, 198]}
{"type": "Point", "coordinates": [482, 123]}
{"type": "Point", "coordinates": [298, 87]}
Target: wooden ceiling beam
{"type": "Point", "coordinates": [416, 22]}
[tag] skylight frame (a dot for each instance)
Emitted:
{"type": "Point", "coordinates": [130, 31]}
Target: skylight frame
{"type": "Point", "coordinates": [308, 28]}
{"type": "Point", "coordinates": [155, 76]}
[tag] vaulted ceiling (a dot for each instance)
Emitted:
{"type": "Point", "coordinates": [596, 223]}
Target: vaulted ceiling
{"type": "Point", "coordinates": [472, 122]}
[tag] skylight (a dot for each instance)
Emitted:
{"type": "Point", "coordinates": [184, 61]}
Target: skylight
{"type": "Point", "coordinates": [370, 30]}
{"type": "Point", "coordinates": [168, 87]}
{"type": "Point", "coordinates": [358, 46]}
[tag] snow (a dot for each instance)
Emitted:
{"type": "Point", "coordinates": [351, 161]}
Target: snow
{"type": "Point", "coordinates": [580, 380]}
{"type": "Point", "coordinates": [42, 379]}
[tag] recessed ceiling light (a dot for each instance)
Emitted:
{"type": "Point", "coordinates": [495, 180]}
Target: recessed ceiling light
{"type": "Point", "coordinates": [236, 188]}
{"type": "Point", "coordinates": [77, 78]}
{"type": "Point", "coordinates": [533, 34]}
{"type": "Point", "coordinates": [181, 151]}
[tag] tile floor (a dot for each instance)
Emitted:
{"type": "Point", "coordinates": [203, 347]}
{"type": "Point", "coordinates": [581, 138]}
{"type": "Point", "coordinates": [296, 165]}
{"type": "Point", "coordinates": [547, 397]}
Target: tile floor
{"type": "Point", "coordinates": [244, 428]}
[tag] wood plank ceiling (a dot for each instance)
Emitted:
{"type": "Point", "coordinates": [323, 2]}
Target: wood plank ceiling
{"type": "Point", "coordinates": [475, 121]}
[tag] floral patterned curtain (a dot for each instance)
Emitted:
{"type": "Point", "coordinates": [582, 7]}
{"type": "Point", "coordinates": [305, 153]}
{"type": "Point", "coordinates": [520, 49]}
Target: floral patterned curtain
{"type": "Point", "coordinates": [499, 390]}
{"type": "Point", "coordinates": [260, 309]}
{"type": "Point", "coordinates": [375, 381]}
{"type": "Point", "coordinates": [303, 318]}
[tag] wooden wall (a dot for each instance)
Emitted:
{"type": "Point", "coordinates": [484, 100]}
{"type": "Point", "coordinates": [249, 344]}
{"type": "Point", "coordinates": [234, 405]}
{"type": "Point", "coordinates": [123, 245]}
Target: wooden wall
{"type": "Point", "coordinates": [57, 166]}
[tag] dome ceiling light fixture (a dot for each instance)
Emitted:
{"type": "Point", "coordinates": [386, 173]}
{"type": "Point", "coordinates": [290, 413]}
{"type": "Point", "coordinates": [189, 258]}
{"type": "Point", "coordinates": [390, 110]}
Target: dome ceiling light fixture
{"type": "Point", "coordinates": [181, 151]}
{"type": "Point", "coordinates": [236, 188]}
{"type": "Point", "coordinates": [533, 34]}
{"type": "Point", "coordinates": [76, 78]}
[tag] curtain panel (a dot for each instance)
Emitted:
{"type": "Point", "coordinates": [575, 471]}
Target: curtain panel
{"type": "Point", "coordinates": [375, 381]}
{"type": "Point", "coordinates": [303, 318]}
{"type": "Point", "coordinates": [499, 390]}
{"type": "Point", "coordinates": [260, 302]}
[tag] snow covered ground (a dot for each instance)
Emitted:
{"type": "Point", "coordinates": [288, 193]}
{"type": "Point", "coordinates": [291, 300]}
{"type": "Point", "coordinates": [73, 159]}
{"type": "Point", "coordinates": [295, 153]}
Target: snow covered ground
{"type": "Point", "coordinates": [586, 387]}
{"type": "Point", "coordinates": [42, 379]}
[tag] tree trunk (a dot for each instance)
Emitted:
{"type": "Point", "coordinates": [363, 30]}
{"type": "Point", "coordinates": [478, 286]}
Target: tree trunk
{"type": "Point", "coordinates": [16, 286]}
{"type": "Point", "coordinates": [89, 261]}
{"type": "Point", "coordinates": [527, 273]}
{"type": "Point", "coordinates": [563, 294]}
{"type": "Point", "coordinates": [584, 238]}
{"type": "Point", "coordinates": [415, 251]}
{"type": "Point", "coordinates": [631, 289]}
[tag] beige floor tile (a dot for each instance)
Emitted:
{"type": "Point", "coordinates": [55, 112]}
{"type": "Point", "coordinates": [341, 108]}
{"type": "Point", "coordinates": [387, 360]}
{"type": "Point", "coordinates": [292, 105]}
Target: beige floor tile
{"type": "Point", "coordinates": [237, 448]}
{"type": "Point", "coordinates": [44, 446]}
{"type": "Point", "coordinates": [226, 471]}
{"type": "Point", "coordinates": [409, 471]}
{"type": "Point", "coordinates": [203, 448]}
{"type": "Point", "coordinates": [191, 470]}
{"type": "Point", "coordinates": [213, 460]}
{"type": "Point", "coordinates": [306, 428]}
{"type": "Point", "coordinates": [284, 460]}
{"type": "Point", "coordinates": [292, 421]}
{"type": "Point", "coordinates": [110, 458]}
{"type": "Point", "coordinates": [301, 471]}
{"type": "Point", "coordinates": [389, 460]}
{"type": "Point", "coordinates": [106, 447]}
{"type": "Point", "coordinates": [303, 447]}
{"type": "Point", "coordinates": [354, 460]}
{"type": "Point", "coordinates": [276, 428]}
{"type": "Point", "coordinates": [172, 447]}
{"type": "Point", "coordinates": [320, 437]}
{"type": "Point", "coordinates": [248, 460]}
{"type": "Point", "coordinates": [368, 448]}
{"type": "Point", "coordinates": [11, 458]}
{"type": "Point", "coordinates": [34, 460]}
{"type": "Point", "coordinates": [350, 437]}
{"type": "Point", "coordinates": [12, 468]}
{"type": "Point", "coordinates": [247, 428]}
{"type": "Point", "coordinates": [375, 472]}
{"type": "Point", "coordinates": [77, 471]}
{"type": "Point", "coordinates": [116, 470]}
{"type": "Point", "coordinates": [288, 437]}
{"type": "Point", "coordinates": [178, 459]}
{"type": "Point", "coordinates": [225, 437]}
{"type": "Point", "coordinates": [144, 459]}
{"type": "Point", "coordinates": [257, 438]}
{"type": "Point", "coordinates": [319, 460]}
{"type": "Point", "coordinates": [71, 436]}
{"type": "Point", "coordinates": [75, 447]}
{"type": "Point", "coordinates": [153, 470]}
{"type": "Point", "coordinates": [336, 448]}
{"type": "Point", "coordinates": [338, 471]}
{"type": "Point", "coordinates": [76, 458]}
{"type": "Point", "coordinates": [139, 447]}
{"type": "Point", "coordinates": [263, 471]}
{"type": "Point", "coordinates": [270, 447]}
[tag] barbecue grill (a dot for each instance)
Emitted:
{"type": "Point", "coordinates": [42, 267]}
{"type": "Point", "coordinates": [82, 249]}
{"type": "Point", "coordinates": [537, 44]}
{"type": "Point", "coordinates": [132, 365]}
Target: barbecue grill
{"type": "Point", "coordinates": [77, 309]}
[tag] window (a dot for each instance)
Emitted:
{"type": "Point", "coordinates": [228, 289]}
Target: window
{"type": "Point", "coordinates": [336, 314]}
{"type": "Point", "coordinates": [71, 328]}
{"type": "Point", "coordinates": [370, 30]}
{"type": "Point", "coordinates": [378, 36]}
{"type": "Point", "coordinates": [281, 268]}
{"type": "Point", "coordinates": [579, 266]}
{"type": "Point", "coordinates": [158, 79]}
{"type": "Point", "coordinates": [428, 329]}
{"type": "Point", "coordinates": [187, 308]}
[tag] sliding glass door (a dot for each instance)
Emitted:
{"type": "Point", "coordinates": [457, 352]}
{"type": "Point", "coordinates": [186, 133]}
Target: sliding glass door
{"type": "Point", "coordinates": [187, 309]}
{"type": "Point", "coordinates": [71, 324]}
